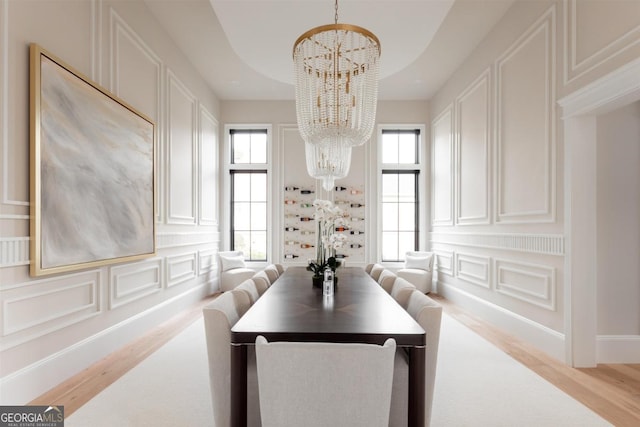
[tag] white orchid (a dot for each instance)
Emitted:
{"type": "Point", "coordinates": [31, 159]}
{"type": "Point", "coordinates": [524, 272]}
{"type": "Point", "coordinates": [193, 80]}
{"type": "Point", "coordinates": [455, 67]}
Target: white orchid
{"type": "Point", "coordinates": [328, 217]}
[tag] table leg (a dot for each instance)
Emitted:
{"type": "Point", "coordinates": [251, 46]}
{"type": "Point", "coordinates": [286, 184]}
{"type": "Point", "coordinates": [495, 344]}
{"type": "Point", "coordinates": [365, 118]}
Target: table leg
{"type": "Point", "coordinates": [238, 385]}
{"type": "Point", "coordinates": [416, 386]}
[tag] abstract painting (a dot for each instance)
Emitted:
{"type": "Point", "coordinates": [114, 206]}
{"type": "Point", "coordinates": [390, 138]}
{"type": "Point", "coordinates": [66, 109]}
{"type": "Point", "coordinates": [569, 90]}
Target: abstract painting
{"type": "Point", "coordinates": [92, 172]}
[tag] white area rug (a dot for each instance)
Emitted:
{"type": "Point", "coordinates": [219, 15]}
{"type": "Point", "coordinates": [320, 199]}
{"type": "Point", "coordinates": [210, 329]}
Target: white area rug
{"type": "Point", "coordinates": [476, 385]}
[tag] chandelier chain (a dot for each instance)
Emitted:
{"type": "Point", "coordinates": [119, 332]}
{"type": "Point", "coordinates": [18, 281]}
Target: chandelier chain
{"type": "Point", "coordinates": [336, 17]}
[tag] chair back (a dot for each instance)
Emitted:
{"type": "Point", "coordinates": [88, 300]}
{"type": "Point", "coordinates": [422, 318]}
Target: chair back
{"type": "Point", "coordinates": [280, 268]}
{"type": "Point", "coordinates": [261, 284]}
{"type": "Point", "coordinates": [428, 314]}
{"type": "Point", "coordinates": [230, 260]}
{"type": "Point", "coordinates": [272, 273]}
{"type": "Point", "coordinates": [419, 260]}
{"type": "Point", "coordinates": [402, 291]}
{"type": "Point", "coordinates": [386, 279]}
{"type": "Point", "coordinates": [375, 271]}
{"type": "Point", "coordinates": [249, 287]}
{"type": "Point", "coordinates": [324, 384]}
{"type": "Point", "coordinates": [219, 316]}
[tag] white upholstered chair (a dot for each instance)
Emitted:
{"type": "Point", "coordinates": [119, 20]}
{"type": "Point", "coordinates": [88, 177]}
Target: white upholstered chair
{"type": "Point", "coordinates": [324, 384]}
{"type": "Point", "coordinates": [428, 313]}
{"type": "Point", "coordinates": [401, 291]}
{"type": "Point", "coordinates": [232, 270]}
{"type": "Point", "coordinates": [272, 273]}
{"type": "Point", "coordinates": [418, 270]}
{"type": "Point", "coordinates": [375, 271]}
{"type": "Point", "coordinates": [249, 286]}
{"type": "Point", "coordinates": [280, 268]}
{"type": "Point", "coordinates": [219, 316]}
{"type": "Point", "coordinates": [386, 279]}
{"type": "Point", "coordinates": [262, 283]}
{"type": "Point", "coordinates": [368, 268]}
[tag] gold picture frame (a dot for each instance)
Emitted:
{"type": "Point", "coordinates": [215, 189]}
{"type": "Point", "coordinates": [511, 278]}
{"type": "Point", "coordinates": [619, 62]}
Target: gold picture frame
{"type": "Point", "coordinates": [92, 172]}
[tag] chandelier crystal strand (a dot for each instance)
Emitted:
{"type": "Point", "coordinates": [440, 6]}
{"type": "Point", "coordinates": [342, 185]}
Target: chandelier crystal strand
{"type": "Point", "coordinates": [336, 71]}
{"type": "Point", "coordinates": [328, 161]}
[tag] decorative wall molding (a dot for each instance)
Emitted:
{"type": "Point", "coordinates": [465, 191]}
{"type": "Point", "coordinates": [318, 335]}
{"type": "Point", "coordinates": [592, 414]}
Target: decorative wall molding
{"type": "Point", "coordinates": [617, 348]}
{"type": "Point", "coordinates": [208, 167]}
{"type": "Point", "coordinates": [181, 268]}
{"type": "Point", "coordinates": [466, 151]}
{"type": "Point", "coordinates": [473, 269]}
{"type": "Point", "coordinates": [131, 282]}
{"type": "Point", "coordinates": [546, 244]}
{"type": "Point", "coordinates": [444, 261]}
{"type": "Point", "coordinates": [442, 167]}
{"type": "Point", "coordinates": [14, 251]}
{"type": "Point", "coordinates": [507, 66]}
{"type": "Point", "coordinates": [575, 67]}
{"type": "Point", "coordinates": [40, 307]}
{"type": "Point", "coordinates": [181, 151]}
{"type": "Point", "coordinates": [533, 284]}
{"type": "Point", "coordinates": [207, 261]}
{"type": "Point", "coordinates": [96, 41]}
{"type": "Point", "coordinates": [167, 240]}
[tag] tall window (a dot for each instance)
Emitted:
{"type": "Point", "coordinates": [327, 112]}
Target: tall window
{"type": "Point", "coordinates": [399, 196]}
{"type": "Point", "coordinates": [248, 170]}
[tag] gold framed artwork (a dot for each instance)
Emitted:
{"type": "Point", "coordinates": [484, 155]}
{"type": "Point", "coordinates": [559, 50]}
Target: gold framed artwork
{"type": "Point", "coordinates": [92, 172]}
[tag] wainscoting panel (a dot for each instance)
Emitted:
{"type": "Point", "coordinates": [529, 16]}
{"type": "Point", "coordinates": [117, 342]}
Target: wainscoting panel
{"type": "Point", "coordinates": [473, 269]}
{"type": "Point", "coordinates": [548, 244]}
{"type": "Point", "coordinates": [444, 261]}
{"type": "Point", "coordinates": [525, 126]}
{"type": "Point", "coordinates": [534, 284]}
{"type": "Point", "coordinates": [181, 154]}
{"type": "Point", "coordinates": [473, 128]}
{"type": "Point", "coordinates": [586, 49]}
{"type": "Point", "coordinates": [442, 168]}
{"type": "Point", "coordinates": [208, 167]}
{"type": "Point", "coordinates": [207, 261]}
{"type": "Point", "coordinates": [181, 268]}
{"type": "Point", "coordinates": [14, 251]}
{"type": "Point", "coordinates": [40, 307]}
{"type": "Point", "coordinates": [131, 282]}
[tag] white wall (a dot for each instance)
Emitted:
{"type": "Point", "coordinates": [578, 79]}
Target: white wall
{"type": "Point", "coordinates": [498, 225]}
{"type": "Point", "coordinates": [119, 46]}
{"type": "Point", "coordinates": [618, 216]}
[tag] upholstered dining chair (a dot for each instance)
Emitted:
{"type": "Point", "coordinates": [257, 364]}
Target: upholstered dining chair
{"type": "Point", "coordinates": [418, 270]}
{"type": "Point", "coordinates": [261, 280]}
{"type": "Point", "coordinates": [219, 316]}
{"type": "Point", "coordinates": [386, 279]}
{"type": "Point", "coordinates": [233, 270]}
{"type": "Point", "coordinates": [280, 268]}
{"type": "Point", "coordinates": [272, 273]}
{"type": "Point", "coordinates": [428, 313]}
{"type": "Point", "coordinates": [315, 384]}
{"type": "Point", "coordinates": [368, 268]}
{"type": "Point", "coordinates": [401, 291]}
{"type": "Point", "coordinates": [375, 271]}
{"type": "Point", "coordinates": [249, 286]}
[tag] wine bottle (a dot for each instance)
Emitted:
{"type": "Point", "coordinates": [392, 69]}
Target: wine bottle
{"type": "Point", "coordinates": [354, 192]}
{"type": "Point", "coordinates": [340, 256]}
{"type": "Point", "coordinates": [307, 191]}
{"type": "Point", "coordinates": [289, 202]}
{"type": "Point", "coordinates": [341, 188]}
{"type": "Point", "coordinates": [341, 229]}
{"type": "Point", "coordinates": [291, 215]}
{"type": "Point", "coordinates": [291, 188]}
{"type": "Point", "coordinates": [357, 232]}
{"type": "Point", "coordinates": [291, 256]}
{"type": "Point", "coordinates": [291, 229]}
{"type": "Point", "coordinates": [291, 243]}
{"type": "Point", "coordinates": [355, 245]}
{"type": "Point", "coordinates": [305, 218]}
{"type": "Point", "coordinates": [306, 205]}
{"type": "Point", "coordinates": [306, 245]}
{"type": "Point", "coordinates": [355, 218]}
{"type": "Point", "coordinates": [307, 232]}
{"type": "Point", "coordinates": [357, 205]}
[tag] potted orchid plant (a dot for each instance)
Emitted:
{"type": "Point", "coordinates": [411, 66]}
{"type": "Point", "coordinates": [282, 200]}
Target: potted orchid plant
{"type": "Point", "coordinates": [328, 217]}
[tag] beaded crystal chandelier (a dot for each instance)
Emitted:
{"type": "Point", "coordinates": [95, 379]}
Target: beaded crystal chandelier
{"type": "Point", "coordinates": [336, 84]}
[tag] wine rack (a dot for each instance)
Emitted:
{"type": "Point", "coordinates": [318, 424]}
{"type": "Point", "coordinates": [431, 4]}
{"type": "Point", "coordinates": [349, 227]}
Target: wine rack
{"type": "Point", "coordinates": [299, 237]}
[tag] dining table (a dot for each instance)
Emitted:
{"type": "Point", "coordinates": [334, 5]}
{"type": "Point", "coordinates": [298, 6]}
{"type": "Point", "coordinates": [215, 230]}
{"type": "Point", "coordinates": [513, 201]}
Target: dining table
{"type": "Point", "coordinates": [360, 311]}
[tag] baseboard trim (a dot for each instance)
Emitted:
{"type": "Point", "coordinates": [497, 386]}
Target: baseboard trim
{"type": "Point", "coordinates": [541, 337]}
{"type": "Point", "coordinates": [26, 384]}
{"type": "Point", "coordinates": [618, 348]}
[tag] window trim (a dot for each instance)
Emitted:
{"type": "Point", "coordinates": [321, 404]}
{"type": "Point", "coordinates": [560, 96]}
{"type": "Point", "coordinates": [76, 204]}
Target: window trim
{"type": "Point", "coordinates": [416, 176]}
{"type": "Point", "coordinates": [423, 147]}
{"type": "Point", "coordinates": [226, 167]}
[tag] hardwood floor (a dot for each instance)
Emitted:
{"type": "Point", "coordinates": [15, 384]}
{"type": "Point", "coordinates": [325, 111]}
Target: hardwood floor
{"type": "Point", "coordinates": [612, 391]}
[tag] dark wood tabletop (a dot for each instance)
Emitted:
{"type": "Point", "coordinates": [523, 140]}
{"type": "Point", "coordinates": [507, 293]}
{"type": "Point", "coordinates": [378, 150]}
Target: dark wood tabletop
{"type": "Point", "coordinates": [360, 311]}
